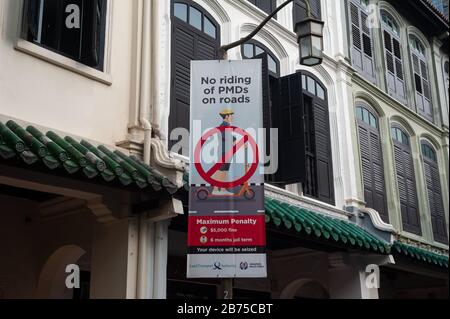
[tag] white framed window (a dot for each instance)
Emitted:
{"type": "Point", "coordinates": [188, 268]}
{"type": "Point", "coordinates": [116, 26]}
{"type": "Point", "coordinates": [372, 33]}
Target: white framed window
{"type": "Point", "coordinates": [393, 57]}
{"type": "Point", "coordinates": [421, 78]}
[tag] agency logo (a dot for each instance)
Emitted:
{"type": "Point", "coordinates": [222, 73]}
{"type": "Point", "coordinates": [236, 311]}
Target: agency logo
{"type": "Point", "coordinates": [243, 265]}
{"type": "Point", "coordinates": [217, 266]}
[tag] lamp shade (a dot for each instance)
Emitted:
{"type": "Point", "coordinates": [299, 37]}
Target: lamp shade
{"type": "Point", "coordinates": [310, 40]}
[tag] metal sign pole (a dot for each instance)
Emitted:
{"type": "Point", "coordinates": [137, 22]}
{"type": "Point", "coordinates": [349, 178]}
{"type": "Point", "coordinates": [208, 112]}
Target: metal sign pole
{"type": "Point", "coordinates": [226, 288]}
{"type": "Point", "coordinates": [226, 285]}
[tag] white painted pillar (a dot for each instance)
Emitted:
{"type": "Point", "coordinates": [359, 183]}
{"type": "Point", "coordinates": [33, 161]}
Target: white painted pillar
{"type": "Point", "coordinates": [114, 260]}
{"type": "Point", "coordinates": [350, 283]}
{"type": "Point", "coordinates": [152, 259]}
{"type": "Point", "coordinates": [146, 259]}
{"type": "Point", "coordinates": [160, 260]}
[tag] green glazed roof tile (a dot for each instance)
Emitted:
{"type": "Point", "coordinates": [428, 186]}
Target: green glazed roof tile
{"type": "Point", "coordinates": [32, 146]}
{"type": "Point", "coordinates": [321, 226]}
{"type": "Point", "coordinates": [421, 254]}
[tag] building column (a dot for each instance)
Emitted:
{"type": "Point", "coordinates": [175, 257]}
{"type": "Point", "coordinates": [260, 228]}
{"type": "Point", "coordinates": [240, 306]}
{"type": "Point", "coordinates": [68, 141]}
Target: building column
{"type": "Point", "coordinates": [153, 250]}
{"type": "Point", "coordinates": [355, 276]}
{"type": "Point", "coordinates": [350, 283]}
{"type": "Point", "coordinates": [114, 260]}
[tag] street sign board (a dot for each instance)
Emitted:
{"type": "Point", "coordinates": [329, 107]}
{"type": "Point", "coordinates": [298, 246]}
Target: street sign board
{"type": "Point", "coordinates": [226, 237]}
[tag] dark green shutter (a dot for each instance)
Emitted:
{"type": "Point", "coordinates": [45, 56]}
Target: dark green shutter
{"type": "Point", "coordinates": [288, 116]}
{"type": "Point", "coordinates": [435, 200]}
{"type": "Point", "coordinates": [324, 164]}
{"type": "Point", "coordinates": [407, 188]}
{"type": "Point", "coordinates": [268, 114]}
{"type": "Point", "coordinates": [372, 169]}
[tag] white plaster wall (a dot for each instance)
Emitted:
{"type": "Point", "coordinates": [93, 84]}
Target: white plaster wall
{"type": "Point", "coordinates": [49, 95]}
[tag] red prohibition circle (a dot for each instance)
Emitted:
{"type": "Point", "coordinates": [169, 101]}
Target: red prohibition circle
{"type": "Point", "coordinates": [208, 178]}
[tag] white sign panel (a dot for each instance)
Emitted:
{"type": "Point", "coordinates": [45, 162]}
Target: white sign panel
{"type": "Point", "coordinates": [227, 237]}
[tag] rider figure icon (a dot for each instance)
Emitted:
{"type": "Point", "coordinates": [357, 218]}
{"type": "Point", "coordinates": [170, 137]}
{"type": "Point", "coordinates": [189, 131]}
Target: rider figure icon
{"type": "Point", "coordinates": [222, 175]}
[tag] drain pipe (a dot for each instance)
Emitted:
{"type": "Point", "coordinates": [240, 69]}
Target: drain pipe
{"type": "Point", "coordinates": [161, 228]}
{"type": "Point", "coordinates": [156, 63]}
{"type": "Point", "coordinates": [146, 229]}
{"type": "Point", "coordinates": [145, 91]}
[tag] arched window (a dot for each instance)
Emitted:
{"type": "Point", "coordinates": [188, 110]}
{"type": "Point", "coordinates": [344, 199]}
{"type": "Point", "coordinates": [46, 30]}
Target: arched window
{"type": "Point", "coordinates": [371, 160]}
{"type": "Point", "coordinates": [406, 181]}
{"type": "Point", "coordinates": [316, 120]}
{"type": "Point", "coordinates": [252, 49]}
{"type": "Point", "coordinates": [434, 191]}
{"type": "Point", "coordinates": [421, 78]}
{"type": "Point", "coordinates": [195, 18]}
{"type": "Point", "coordinates": [362, 43]}
{"type": "Point", "coordinates": [393, 57]}
{"type": "Point", "coordinates": [270, 74]}
{"type": "Point", "coordinates": [195, 36]}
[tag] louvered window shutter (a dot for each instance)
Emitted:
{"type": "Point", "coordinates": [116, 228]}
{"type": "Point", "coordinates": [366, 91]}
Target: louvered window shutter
{"type": "Point", "coordinates": [372, 169]}
{"type": "Point", "coordinates": [407, 188]}
{"type": "Point", "coordinates": [289, 118]}
{"type": "Point", "coordinates": [269, 114]}
{"type": "Point", "coordinates": [422, 87]}
{"type": "Point", "coordinates": [394, 66]}
{"type": "Point", "coordinates": [324, 164]}
{"type": "Point", "coordinates": [435, 200]}
{"type": "Point", "coordinates": [362, 47]}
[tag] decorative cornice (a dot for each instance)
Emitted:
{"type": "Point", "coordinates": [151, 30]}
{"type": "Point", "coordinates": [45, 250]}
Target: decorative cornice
{"type": "Point", "coordinates": [159, 153]}
{"type": "Point", "coordinates": [377, 222]}
{"type": "Point", "coordinates": [161, 157]}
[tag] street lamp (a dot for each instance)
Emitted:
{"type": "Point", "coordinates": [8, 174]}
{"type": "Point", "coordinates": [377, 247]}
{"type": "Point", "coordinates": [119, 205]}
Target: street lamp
{"type": "Point", "coordinates": [310, 40]}
{"type": "Point", "coordinates": [309, 37]}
